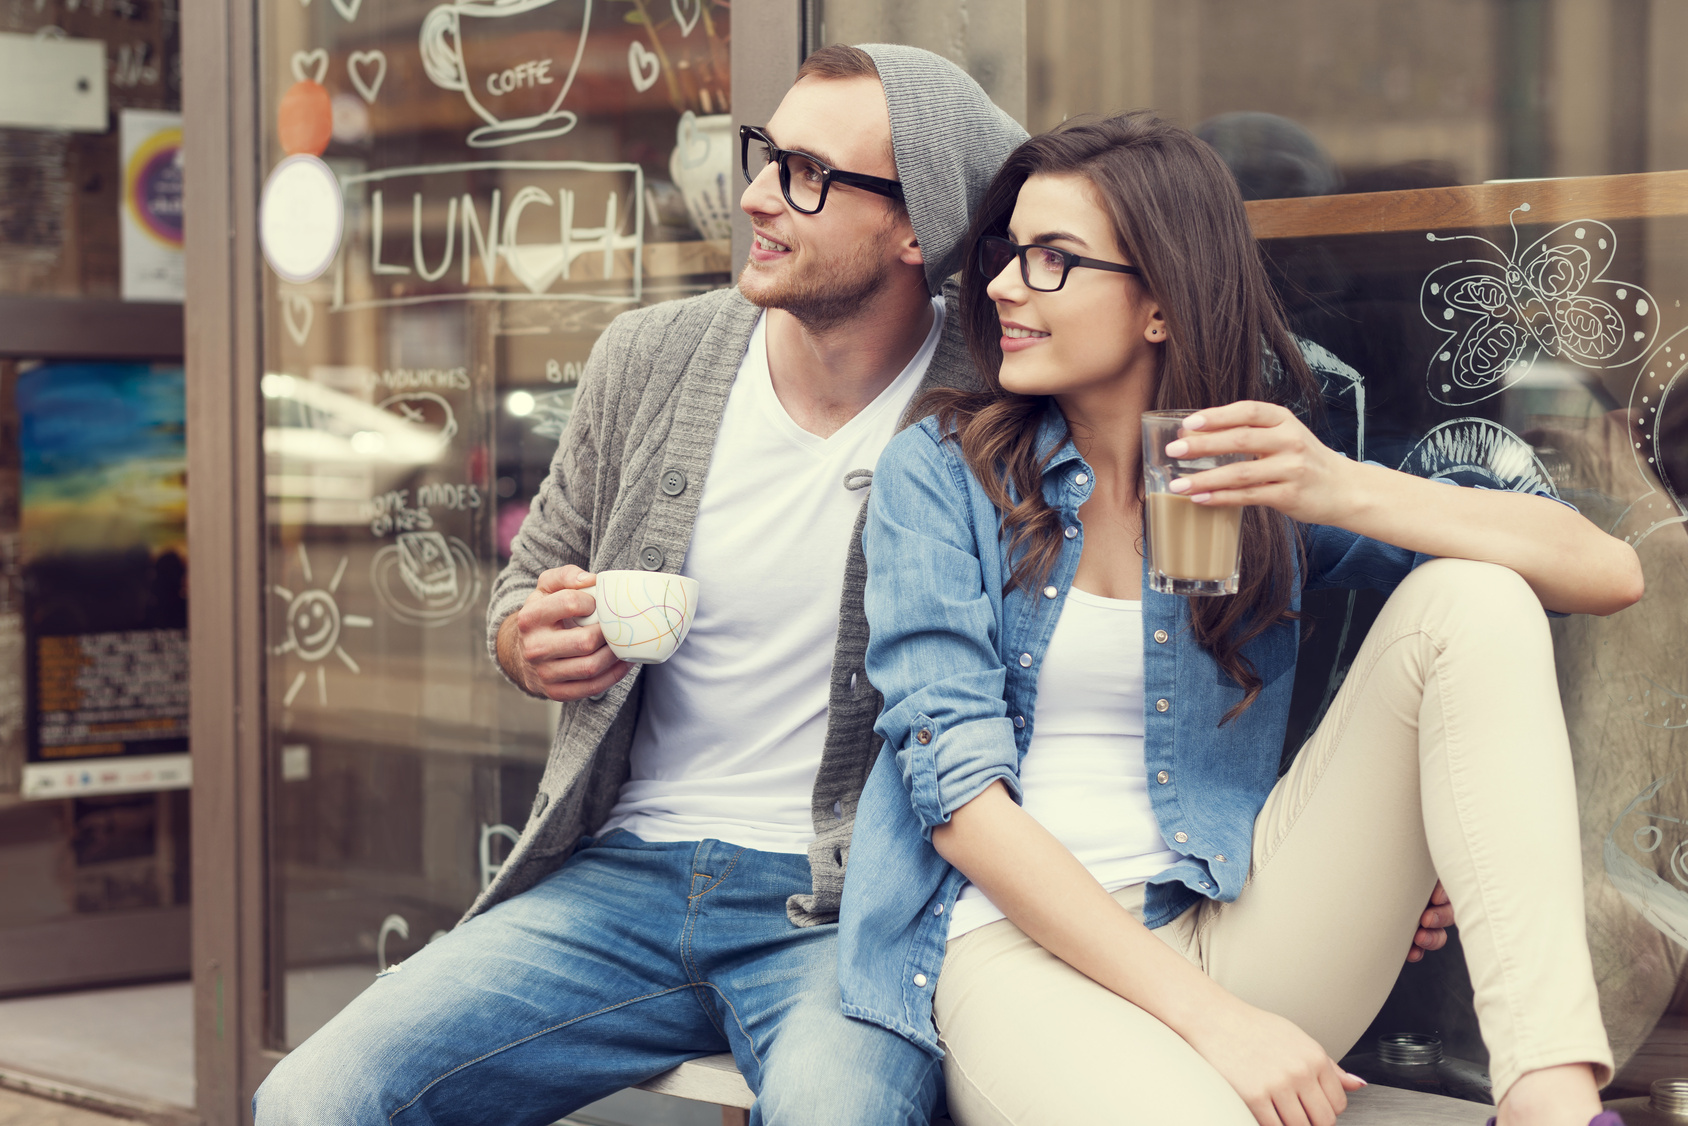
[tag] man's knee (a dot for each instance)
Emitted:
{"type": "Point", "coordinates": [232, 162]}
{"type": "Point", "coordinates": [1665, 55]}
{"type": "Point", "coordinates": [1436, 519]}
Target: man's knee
{"type": "Point", "coordinates": [867, 1076]}
{"type": "Point", "coordinates": [320, 1081]}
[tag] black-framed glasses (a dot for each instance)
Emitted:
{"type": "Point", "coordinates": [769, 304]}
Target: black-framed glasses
{"type": "Point", "coordinates": [1043, 268]}
{"type": "Point", "coordinates": [804, 179]}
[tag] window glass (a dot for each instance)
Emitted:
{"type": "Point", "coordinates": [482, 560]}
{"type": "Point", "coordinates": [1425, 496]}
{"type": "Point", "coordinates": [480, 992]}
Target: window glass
{"type": "Point", "coordinates": [1513, 318]}
{"type": "Point", "coordinates": [63, 188]}
{"type": "Point", "coordinates": [94, 764]}
{"type": "Point", "coordinates": [460, 195]}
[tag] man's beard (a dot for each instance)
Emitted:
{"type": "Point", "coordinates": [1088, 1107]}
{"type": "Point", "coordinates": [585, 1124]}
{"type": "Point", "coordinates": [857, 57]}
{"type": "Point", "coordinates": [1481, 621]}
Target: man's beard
{"type": "Point", "coordinates": [829, 296]}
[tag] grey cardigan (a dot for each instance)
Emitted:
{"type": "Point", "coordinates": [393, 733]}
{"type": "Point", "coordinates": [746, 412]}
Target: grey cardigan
{"type": "Point", "coordinates": [623, 492]}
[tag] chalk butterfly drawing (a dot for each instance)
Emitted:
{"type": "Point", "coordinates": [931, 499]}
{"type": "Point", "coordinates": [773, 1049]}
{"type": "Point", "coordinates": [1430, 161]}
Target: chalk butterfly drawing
{"type": "Point", "coordinates": [1501, 312]}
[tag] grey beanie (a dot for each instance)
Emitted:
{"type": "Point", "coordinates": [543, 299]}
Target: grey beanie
{"type": "Point", "coordinates": [949, 139]}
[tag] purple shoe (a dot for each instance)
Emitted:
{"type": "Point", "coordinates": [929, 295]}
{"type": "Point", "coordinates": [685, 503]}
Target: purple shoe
{"type": "Point", "coordinates": [1604, 1118]}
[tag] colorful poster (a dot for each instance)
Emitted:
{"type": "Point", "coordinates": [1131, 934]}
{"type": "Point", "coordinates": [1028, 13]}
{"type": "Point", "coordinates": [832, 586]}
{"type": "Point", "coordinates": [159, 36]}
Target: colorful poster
{"type": "Point", "coordinates": [152, 206]}
{"type": "Point", "coordinates": [103, 531]}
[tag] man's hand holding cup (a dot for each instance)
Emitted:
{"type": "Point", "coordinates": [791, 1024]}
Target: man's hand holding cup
{"type": "Point", "coordinates": [544, 647]}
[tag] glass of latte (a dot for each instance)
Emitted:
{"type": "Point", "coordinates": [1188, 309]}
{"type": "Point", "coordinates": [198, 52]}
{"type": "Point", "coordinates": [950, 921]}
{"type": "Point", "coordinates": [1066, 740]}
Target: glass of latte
{"type": "Point", "coordinates": [1192, 548]}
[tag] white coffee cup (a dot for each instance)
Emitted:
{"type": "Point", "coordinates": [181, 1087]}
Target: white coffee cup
{"type": "Point", "coordinates": [644, 614]}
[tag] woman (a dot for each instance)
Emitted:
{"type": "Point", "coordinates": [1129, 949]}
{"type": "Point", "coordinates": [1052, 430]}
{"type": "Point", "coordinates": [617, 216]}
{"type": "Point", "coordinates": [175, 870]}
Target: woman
{"type": "Point", "coordinates": [1155, 927]}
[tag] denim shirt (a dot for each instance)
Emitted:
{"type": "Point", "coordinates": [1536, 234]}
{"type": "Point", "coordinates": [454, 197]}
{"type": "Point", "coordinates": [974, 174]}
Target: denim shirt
{"type": "Point", "coordinates": [957, 660]}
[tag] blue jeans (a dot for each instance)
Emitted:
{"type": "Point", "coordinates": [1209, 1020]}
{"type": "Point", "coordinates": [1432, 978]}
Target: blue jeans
{"type": "Point", "coordinates": [629, 959]}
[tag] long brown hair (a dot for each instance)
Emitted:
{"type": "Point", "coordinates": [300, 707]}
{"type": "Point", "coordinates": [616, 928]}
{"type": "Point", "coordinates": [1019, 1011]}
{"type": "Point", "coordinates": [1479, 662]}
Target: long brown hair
{"type": "Point", "coordinates": [1178, 215]}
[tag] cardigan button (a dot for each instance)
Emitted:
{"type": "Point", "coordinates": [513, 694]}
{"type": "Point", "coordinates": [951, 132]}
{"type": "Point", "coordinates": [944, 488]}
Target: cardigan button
{"type": "Point", "coordinates": [673, 482]}
{"type": "Point", "coordinates": [1160, 637]}
{"type": "Point", "coordinates": [1162, 705]}
{"type": "Point", "coordinates": [651, 557]}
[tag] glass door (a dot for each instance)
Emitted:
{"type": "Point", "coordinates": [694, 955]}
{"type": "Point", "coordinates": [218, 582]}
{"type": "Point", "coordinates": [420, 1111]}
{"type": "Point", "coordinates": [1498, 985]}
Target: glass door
{"type": "Point", "coordinates": [459, 196]}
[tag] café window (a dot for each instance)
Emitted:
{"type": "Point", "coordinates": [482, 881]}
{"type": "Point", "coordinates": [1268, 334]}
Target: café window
{"type": "Point", "coordinates": [458, 197]}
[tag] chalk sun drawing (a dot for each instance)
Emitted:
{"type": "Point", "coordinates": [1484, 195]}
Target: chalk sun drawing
{"type": "Point", "coordinates": [1501, 312]}
{"type": "Point", "coordinates": [314, 626]}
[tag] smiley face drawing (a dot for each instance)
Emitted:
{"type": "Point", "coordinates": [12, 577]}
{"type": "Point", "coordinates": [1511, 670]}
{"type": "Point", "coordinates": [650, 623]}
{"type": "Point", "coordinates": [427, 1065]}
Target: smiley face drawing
{"type": "Point", "coordinates": [313, 627]}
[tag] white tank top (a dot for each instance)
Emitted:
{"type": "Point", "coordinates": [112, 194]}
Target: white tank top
{"type": "Point", "coordinates": [1083, 777]}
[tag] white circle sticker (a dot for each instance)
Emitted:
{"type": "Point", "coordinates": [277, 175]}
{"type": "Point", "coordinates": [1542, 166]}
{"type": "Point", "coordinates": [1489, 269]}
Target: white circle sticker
{"type": "Point", "coordinates": [301, 218]}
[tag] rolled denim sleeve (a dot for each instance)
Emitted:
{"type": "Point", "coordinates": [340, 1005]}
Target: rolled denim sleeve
{"type": "Point", "coordinates": [932, 632]}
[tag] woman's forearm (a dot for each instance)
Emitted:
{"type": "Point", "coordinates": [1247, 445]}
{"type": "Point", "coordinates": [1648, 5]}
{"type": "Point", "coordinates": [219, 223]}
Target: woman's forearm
{"type": "Point", "coordinates": [1033, 879]}
{"type": "Point", "coordinates": [1573, 566]}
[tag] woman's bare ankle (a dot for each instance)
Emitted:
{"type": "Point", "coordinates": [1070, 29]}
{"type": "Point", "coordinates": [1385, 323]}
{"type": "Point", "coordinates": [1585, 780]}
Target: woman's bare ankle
{"type": "Point", "coordinates": [1564, 1095]}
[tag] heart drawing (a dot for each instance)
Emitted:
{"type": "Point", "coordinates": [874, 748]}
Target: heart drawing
{"type": "Point", "coordinates": [643, 66]}
{"type": "Point", "coordinates": [304, 62]}
{"type": "Point", "coordinates": [375, 61]}
{"type": "Point", "coordinates": [348, 9]}
{"type": "Point", "coordinates": [686, 13]}
{"type": "Point", "coordinates": [297, 313]}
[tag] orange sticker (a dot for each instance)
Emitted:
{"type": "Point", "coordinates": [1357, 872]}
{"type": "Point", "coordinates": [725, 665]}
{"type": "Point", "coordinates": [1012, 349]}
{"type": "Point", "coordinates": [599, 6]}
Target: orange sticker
{"type": "Point", "coordinates": [305, 119]}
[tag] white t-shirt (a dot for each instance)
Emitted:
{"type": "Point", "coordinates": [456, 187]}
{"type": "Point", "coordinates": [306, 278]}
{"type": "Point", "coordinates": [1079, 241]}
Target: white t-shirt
{"type": "Point", "coordinates": [1083, 775]}
{"type": "Point", "coordinates": [732, 726]}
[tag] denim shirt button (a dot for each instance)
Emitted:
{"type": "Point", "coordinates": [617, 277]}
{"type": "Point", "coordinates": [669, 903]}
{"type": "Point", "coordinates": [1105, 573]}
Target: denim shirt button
{"type": "Point", "coordinates": [1026, 663]}
{"type": "Point", "coordinates": [1019, 723]}
{"type": "Point", "coordinates": [923, 736]}
{"type": "Point", "coordinates": [1080, 479]}
{"type": "Point", "coordinates": [1162, 705]}
{"type": "Point", "coordinates": [1205, 884]}
{"type": "Point", "coordinates": [1160, 637]}
{"type": "Point", "coordinates": [1071, 533]}
{"type": "Point", "coordinates": [1220, 858]}
{"type": "Point", "coordinates": [1050, 592]}
{"type": "Point", "coordinates": [1163, 777]}
{"type": "Point", "coordinates": [1181, 838]}
{"type": "Point", "coordinates": [920, 980]}
{"type": "Point", "coordinates": [938, 910]}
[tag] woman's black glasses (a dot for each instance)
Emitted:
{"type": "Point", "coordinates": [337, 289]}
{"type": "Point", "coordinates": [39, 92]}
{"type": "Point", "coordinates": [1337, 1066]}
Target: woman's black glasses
{"type": "Point", "coordinates": [804, 179]}
{"type": "Point", "coordinates": [1043, 268]}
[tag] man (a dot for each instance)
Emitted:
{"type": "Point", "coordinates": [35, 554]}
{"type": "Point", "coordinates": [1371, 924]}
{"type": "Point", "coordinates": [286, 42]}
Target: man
{"type": "Point", "coordinates": [676, 889]}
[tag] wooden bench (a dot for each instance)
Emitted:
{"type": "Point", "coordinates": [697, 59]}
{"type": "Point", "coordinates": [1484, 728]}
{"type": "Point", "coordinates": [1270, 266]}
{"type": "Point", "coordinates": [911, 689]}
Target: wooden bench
{"type": "Point", "coordinates": [716, 1079]}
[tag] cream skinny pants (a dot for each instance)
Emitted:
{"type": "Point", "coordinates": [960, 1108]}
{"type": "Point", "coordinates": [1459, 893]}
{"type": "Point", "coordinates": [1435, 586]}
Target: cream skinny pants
{"type": "Point", "coordinates": [1444, 753]}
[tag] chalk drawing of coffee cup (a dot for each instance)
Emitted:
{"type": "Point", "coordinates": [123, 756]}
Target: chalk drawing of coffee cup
{"type": "Point", "coordinates": [513, 61]}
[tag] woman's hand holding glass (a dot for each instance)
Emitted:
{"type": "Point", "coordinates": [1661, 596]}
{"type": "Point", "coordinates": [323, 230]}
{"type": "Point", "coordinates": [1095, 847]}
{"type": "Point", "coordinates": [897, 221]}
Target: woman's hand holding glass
{"type": "Point", "coordinates": [1292, 471]}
